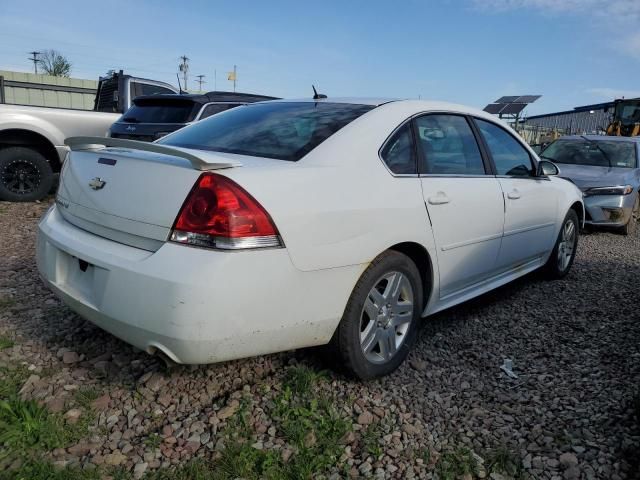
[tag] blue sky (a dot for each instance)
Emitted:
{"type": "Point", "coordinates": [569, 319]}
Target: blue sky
{"type": "Point", "coordinates": [573, 52]}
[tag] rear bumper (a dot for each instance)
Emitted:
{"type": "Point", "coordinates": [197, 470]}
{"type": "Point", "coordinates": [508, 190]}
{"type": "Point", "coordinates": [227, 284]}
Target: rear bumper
{"type": "Point", "coordinates": [608, 210]}
{"type": "Point", "coordinates": [195, 305]}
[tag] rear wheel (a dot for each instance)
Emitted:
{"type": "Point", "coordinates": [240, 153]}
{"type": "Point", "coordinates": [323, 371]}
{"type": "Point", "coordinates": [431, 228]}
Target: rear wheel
{"type": "Point", "coordinates": [632, 225]}
{"type": "Point", "coordinates": [380, 322]}
{"type": "Point", "coordinates": [25, 175]}
{"type": "Point", "coordinates": [564, 252]}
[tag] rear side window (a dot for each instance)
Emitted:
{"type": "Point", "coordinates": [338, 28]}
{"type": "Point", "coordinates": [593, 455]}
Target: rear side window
{"type": "Point", "coordinates": [140, 88]}
{"type": "Point", "coordinates": [448, 146]}
{"type": "Point", "coordinates": [280, 130]}
{"type": "Point", "coordinates": [217, 108]}
{"type": "Point", "coordinates": [158, 111]}
{"type": "Point", "coordinates": [509, 156]}
{"type": "Point", "coordinates": [399, 152]}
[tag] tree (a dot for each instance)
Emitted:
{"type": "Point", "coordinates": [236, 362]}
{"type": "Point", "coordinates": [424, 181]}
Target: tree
{"type": "Point", "coordinates": [54, 63]}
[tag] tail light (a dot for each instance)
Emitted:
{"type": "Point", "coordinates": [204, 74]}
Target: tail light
{"type": "Point", "coordinates": [219, 213]}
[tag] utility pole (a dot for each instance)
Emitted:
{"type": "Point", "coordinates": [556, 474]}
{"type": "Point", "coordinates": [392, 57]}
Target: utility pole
{"type": "Point", "coordinates": [200, 81]}
{"type": "Point", "coordinates": [235, 77]}
{"type": "Point", "coordinates": [34, 59]}
{"type": "Point", "coordinates": [184, 68]}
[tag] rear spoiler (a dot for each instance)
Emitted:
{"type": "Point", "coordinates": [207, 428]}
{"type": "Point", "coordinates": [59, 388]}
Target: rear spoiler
{"type": "Point", "coordinates": [199, 162]}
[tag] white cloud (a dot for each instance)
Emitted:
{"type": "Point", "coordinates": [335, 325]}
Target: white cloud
{"type": "Point", "coordinates": [629, 10]}
{"type": "Point", "coordinates": [606, 93]}
{"type": "Point", "coordinates": [619, 18]}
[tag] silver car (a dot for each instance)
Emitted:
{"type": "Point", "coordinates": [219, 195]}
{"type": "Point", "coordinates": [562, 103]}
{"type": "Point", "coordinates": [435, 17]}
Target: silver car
{"type": "Point", "coordinates": [607, 170]}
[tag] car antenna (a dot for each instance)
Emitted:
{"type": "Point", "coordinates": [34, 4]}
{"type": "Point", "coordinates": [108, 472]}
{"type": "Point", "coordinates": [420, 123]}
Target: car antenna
{"type": "Point", "coordinates": [317, 95]}
{"type": "Point", "coordinates": [179, 86]}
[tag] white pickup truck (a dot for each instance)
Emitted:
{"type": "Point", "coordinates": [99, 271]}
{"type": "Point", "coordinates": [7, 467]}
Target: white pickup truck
{"type": "Point", "coordinates": [32, 138]}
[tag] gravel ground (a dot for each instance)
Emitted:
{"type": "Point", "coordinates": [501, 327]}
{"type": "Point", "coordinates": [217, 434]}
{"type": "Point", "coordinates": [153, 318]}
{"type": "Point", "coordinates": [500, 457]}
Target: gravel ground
{"type": "Point", "coordinates": [572, 412]}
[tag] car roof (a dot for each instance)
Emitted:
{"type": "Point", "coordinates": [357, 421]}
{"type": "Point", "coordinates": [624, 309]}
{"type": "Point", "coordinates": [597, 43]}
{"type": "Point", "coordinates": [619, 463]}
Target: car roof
{"type": "Point", "coordinates": [597, 138]}
{"type": "Point", "coordinates": [409, 104]}
{"type": "Point", "coordinates": [202, 98]}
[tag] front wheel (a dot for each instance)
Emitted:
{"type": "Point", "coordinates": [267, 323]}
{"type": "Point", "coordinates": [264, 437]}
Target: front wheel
{"type": "Point", "coordinates": [564, 251]}
{"type": "Point", "coordinates": [25, 175]}
{"type": "Point", "coordinates": [380, 322]}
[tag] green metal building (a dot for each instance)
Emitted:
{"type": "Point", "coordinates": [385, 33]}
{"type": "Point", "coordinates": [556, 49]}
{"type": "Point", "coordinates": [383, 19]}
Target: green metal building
{"type": "Point", "coordinates": [46, 91]}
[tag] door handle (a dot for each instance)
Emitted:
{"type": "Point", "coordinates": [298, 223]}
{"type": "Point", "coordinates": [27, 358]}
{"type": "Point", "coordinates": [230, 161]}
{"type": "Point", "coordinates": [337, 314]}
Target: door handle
{"type": "Point", "coordinates": [513, 194]}
{"type": "Point", "coordinates": [439, 198]}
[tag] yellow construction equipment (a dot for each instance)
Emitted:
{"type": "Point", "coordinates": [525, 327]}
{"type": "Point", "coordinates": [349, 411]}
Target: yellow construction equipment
{"type": "Point", "coordinates": [625, 121]}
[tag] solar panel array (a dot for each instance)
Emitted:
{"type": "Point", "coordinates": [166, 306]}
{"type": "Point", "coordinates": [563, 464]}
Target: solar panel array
{"type": "Point", "coordinates": [510, 105]}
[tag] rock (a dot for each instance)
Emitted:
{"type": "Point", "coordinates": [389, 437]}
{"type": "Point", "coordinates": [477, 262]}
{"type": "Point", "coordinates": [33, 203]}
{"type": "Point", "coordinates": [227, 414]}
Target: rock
{"type": "Point", "coordinates": [155, 382]}
{"type": "Point", "coordinates": [79, 450]}
{"type": "Point", "coordinates": [73, 415]}
{"type": "Point", "coordinates": [28, 385]}
{"type": "Point", "coordinates": [140, 469]}
{"type": "Point", "coordinates": [114, 459]}
{"type": "Point", "coordinates": [101, 403]}
{"type": "Point", "coordinates": [417, 364]}
{"type": "Point", "coordinates": [364, 468]}
{"type": "Point", "coordinates": [70, 357]}
{"type": "Point", "coordinates": [365, 418]}
{"type": "Point", "coordinates": [55, 404]}
{"type": "Point", "coordinates": [228, 411]}
{"type": "Point", "coordinates": [572, 473]}
{"type": "Point", "coordinates": [348, 438]}
{"type": "Point", "coordinates": [568, 460]}
{"type": "Point", "coordinates": [286, 454]}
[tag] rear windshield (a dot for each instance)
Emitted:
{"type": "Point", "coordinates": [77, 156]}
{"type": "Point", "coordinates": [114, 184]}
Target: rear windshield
{"type": "Point", "coordinates": [280, 130]}
{"type": "Point", "coordinates": [157, 111]}
{"type": "Point", "coordinates": [600, 153]}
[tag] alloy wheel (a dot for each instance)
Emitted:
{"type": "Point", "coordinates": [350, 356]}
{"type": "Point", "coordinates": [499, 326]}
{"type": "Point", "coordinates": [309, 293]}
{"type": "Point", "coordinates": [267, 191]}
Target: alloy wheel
{"type": "Point", "coordinates": [21, 177]}
{"type": "Point", "coordinates": [386, 317]}
{"type": "Point", "coordinates": [567, 245]}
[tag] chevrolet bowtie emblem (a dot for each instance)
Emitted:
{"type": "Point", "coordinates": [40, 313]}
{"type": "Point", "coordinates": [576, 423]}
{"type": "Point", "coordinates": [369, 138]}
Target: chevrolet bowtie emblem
{"type": "Point", "coordinates": [97, 183]}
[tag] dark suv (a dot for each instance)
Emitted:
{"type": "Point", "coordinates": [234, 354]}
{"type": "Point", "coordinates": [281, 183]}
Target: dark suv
{"type": "Point", "coordinates": [154, 116]}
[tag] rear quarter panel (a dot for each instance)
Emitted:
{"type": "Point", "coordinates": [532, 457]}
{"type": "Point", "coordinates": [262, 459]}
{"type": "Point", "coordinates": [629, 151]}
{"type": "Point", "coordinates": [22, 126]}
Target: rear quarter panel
{"type": "Point", "coordinates": [339, 205]}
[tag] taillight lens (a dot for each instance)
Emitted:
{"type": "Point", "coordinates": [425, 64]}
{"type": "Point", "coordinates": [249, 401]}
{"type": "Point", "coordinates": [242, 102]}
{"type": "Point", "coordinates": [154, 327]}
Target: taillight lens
{"type": "Point", "coordinates": [219, 213]}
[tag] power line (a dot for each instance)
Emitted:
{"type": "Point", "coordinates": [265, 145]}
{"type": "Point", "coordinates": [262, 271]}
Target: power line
{"type": "Point", "coordinates": [34, 59]}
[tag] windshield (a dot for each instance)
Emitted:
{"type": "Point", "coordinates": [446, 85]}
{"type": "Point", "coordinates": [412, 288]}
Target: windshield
{"type": "Point", "coordinates": [600, 153]}
{"type": "Point", "coordinates": [280, 130]}
{"type": "Point", "coordinates": [628, 113]}
{"type": "Point", "coordinates": [158, 111]}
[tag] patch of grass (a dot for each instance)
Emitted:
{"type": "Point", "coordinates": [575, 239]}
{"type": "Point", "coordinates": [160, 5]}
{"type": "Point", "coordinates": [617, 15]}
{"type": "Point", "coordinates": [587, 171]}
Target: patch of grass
{"type": "Point", "coordinates": [301, 379]}
{"type": "Point", "coordinates": [425, 455]}
{"type": "Point", "coordinates": [370, 437]}
{"type": "Point", "coordinates": [6, 303]}
{"type": "Point", "coordinates": [5, 342]}
{"type": "Point", "coordinates": [505, 462]}
{"type": "Point", "coordinates": [196, 469]}
{"type": "Point", "coordinates": [455, 463]}
{"type": "Point", "coordinates": [153, 441]}
{"type": "Point", "coordinates": [308, 421]}
{"type": "Point", "coordinates": [28, 428]}
{"type": "Point", "coordinates": [43, 470]}
{"type": "Point", "coordinates": [25, 425]}
{"type": "Point", "coordinates": [85, 396]}
{"type": "Point", "coordinates": [11, 380]}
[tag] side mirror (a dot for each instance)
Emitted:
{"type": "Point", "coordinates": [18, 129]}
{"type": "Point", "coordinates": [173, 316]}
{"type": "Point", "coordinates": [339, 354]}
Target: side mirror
{"type": "Point", "coordinates": [547, 168]}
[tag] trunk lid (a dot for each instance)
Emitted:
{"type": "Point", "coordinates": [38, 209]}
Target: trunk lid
{"type": "Point", "coordinates": [129, 195]}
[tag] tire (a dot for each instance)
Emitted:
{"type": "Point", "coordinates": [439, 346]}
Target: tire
{"type": "Point", "coordinates": [567, 243]}
{"type": "Point", "coordinates": [376, 358]}
{"type": "Point", "coordinates": [632, 225]}
{"type": "Point", "coordinates": [25, 175]}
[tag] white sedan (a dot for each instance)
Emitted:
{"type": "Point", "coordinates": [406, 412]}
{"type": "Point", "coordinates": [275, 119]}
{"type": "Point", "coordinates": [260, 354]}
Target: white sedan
{"type": "Point", "coordinates": [288, 224]}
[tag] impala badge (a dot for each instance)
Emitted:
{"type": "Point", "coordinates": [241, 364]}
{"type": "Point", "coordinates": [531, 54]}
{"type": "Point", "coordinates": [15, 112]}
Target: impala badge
{"type": "Point", "coordinates": [97, 183]}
